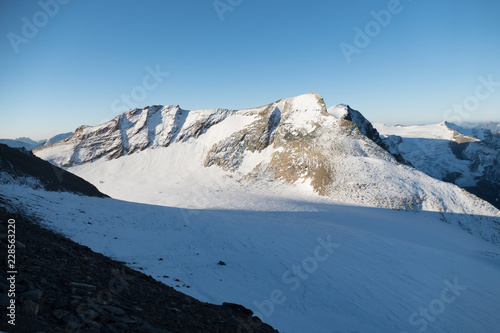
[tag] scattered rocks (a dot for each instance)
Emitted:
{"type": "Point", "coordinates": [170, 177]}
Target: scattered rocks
{"type": "Point", "coordinates": [29, 308]}
{"type": "Point", "coordinates": [32, 295]}
{"type": "Point", "coordinates": [59, 313]}
{"type": "Point", "coordinates": [83, 286]}
{"type": "Point", "coordinates": [114, 310]}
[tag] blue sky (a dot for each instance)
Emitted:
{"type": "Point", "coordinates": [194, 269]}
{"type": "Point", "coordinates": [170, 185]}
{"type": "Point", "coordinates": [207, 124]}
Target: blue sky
{"type": "Point", "coordinates": [421, 64]}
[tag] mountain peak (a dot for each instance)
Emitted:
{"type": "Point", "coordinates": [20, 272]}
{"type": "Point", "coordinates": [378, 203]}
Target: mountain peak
{"type": "Point", "coordinates": [345, 112]}
{"type": "Point", "coordinates": [339, 111]}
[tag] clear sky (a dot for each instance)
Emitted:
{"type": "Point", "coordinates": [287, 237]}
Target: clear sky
{"type": "Point", "coordinates": [81, 62]}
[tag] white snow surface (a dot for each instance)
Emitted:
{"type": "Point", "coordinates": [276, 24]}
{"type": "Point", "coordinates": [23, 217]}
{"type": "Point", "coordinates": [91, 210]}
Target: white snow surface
{"type": "Point", "coordinates": [432, 131]}
{"type": "Point", "coordinates": [338, 111]}
{"type": "Point", "coordinates": [299, 264]}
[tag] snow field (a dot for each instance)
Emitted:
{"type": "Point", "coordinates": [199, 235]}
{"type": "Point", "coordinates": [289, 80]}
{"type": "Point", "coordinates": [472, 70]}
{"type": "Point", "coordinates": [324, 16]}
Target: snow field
{"type": "Point", "coordinates": [383, 266]}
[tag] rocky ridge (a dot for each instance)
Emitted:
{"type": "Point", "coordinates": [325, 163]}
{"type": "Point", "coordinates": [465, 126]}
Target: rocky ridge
{"type": "Point", "coordinates": [20, 166]}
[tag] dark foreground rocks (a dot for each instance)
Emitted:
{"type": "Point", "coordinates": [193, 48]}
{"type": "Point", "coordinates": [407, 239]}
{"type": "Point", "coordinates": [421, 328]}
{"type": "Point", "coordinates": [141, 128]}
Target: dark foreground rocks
{"type": "Point", "coordinates": [62, 286]}
{"type": "Point", "coordinates": [23, 167]}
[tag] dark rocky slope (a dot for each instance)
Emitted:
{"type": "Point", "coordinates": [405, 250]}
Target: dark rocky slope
{"type": "Point", "coordinates": [21, 166]}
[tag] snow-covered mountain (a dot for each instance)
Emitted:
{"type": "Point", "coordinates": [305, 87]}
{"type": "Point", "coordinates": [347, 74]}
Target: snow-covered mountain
{"type": "Point", "coordinates": [492, 126]}
{"type": "Point", "coordinates": [294, 143]}
{"type": "Point", "coordinates": [466, 156]}
{"type": "Point", "coordinates": [57, 138]}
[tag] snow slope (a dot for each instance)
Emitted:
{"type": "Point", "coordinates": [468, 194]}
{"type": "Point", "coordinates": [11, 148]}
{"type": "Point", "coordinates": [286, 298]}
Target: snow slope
{"type": "Point", "coordinates": [467, 157]}
{"type": "Point", "coordinates": [302, 266]}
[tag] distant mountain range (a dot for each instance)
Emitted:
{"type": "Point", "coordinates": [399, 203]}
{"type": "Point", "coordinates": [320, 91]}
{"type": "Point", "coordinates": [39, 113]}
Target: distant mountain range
{"type": "Point", "coordinates": [30, 144]}
{"type": "Point", "coordinates": [467, 155]}
{"type": "Point", "coordinates": [492, 126]}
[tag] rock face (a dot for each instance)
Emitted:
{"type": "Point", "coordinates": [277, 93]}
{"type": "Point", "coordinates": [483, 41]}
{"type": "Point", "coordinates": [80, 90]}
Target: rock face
{"type": "Point", "coordinates": [347, 113]}
{"type": "Point", "coordinates": [305, 144]}
{"type": "Point", "coordinates": [482, 151]}
{"type": "Point", "coordinates": [133, 131]}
